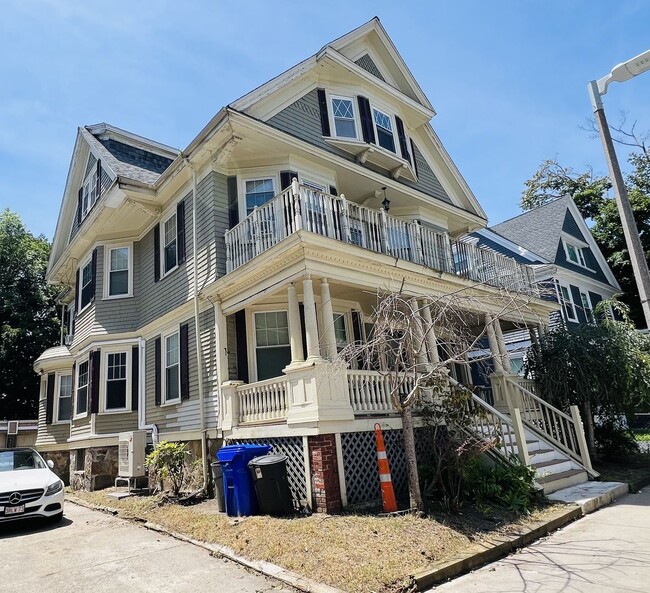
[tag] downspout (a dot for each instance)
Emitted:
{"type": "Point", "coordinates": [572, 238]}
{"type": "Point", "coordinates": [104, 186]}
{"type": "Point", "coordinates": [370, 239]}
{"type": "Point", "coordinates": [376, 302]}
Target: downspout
{"type": "Point", "coordinates": [142, 396]}
{"type": "Point", "coordinates": [197, 334]}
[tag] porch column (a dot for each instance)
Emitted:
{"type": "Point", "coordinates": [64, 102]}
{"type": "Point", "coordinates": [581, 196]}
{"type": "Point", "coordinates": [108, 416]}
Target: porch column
{"type": "Point", "coordinates": [541, 330]}
{"type": "Point", "coordinates": [311, 325]}
{"type": "Point", "coordinates": [505, 357]}
{"type": "Point", "coordinates": [329, 336]}
{"type": "Point", "coordinates": [421, 356]}
{"type": "Point", "coordinates": [430, 336]}
{"type": "Point", "coordinates": [295, 329]}
{"type": "Point", "coordinates": [221, 334]}
{"type": "Point", "coordinates": [494, 345]}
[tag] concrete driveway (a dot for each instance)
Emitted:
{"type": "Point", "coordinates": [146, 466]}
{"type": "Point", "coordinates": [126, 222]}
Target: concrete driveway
{"type": "Point", "coordinates": [605, 552]}
{"type": "Point", "coordinates": [92, 551]}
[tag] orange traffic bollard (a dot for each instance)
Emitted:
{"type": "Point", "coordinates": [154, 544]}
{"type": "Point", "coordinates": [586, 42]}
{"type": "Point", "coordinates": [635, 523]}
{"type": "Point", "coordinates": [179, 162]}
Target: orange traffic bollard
{"type": "Point", "coordinates": [387, 492]}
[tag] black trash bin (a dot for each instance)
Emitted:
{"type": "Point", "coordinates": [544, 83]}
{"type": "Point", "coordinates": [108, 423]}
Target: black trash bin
{"type": "Point", "coordinates": [269, 475]}
{"type": "Point", "coordinates": [217, 476]}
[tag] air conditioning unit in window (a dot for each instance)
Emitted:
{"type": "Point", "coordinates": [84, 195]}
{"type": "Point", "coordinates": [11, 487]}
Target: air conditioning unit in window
{"type": "Point", "coordinates": [131, 447]}
{"type": "Point", "coordinates": [68, 340]}
{"type": "Point", "coordinates": [12, 427]}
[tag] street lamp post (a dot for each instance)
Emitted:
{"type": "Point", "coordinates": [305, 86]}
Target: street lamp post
{"type": "Point", "coordinates": [621, 73]}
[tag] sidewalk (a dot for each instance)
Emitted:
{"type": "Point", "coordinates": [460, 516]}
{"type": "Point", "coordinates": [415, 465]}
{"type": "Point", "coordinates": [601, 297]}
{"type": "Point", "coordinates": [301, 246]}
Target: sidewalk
{"type": "Point", "coordinates": [604, 552]}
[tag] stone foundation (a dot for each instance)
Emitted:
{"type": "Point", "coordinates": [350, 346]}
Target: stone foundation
{"type": "Point", "coordinates": [325, 485]}
{"type": "Point", "coordinates": [61, 460]}
{"type": "Point", "coordinates": [99, 468]}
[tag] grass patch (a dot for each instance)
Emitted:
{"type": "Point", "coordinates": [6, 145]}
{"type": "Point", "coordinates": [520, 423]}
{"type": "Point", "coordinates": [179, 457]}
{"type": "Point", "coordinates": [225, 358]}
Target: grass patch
{"type": "Point", "coordinates": [641, 435]}
{"type": "Point", "coordinates": [357, 553]}
{"type": "Point", "coordinates": [625, 468]}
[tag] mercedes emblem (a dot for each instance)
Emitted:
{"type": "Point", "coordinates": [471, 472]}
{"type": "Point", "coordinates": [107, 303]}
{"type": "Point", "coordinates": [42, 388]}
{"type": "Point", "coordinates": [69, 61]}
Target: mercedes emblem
{"type": "Point", "coordinates": [15, 498]}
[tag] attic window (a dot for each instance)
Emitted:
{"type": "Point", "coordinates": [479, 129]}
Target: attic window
{"type": "Point", "coordinates": [345, 125]}
{"type": "Point", "coordinates": [90, 189]}
{"type": "Point", "coordinates": [574, 254]}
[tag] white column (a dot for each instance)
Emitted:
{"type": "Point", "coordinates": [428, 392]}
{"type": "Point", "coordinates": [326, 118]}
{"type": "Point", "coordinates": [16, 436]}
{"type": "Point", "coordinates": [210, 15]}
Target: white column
{"type": "Point", "coordinates": [494, 345]}
{"type": "Point", "coordinates": [221, 334]}
{"type": "Point", "coordinates": [311, 325]}
{"type": "Point", "coordinates": [418, 335]}
{"type": "Point", "coordinates": [329, 336]}
{"type": "Point", "coordinates": [295, 329]}
{"type": "Point", "coordinates": [505, 358]}
{"type": "Point", "coordinates": [432, 343]}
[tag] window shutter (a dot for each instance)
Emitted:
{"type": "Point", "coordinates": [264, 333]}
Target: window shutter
{"type": "Point", "coordinates": [93, 282]}
{"type": "Point", "coordinates": [73, 392]}
{"type": "Point", "coordinates": [49, 401]}
{"type": "Point", "coordinates": [357, 330]}
{"type": "Point", "coordinates": [99, 178]}
{"type": "Point", "coordinates": [157, 371]}
{"type": "Point", "coordinates": [185, 362]}
{"type": "Point", "coordinates": [242, 348]}
{"type": "Point", "coordinates": [286, 177]}
{"type": "Point", "coordinates": [365, 113]}
{"type": "Point", "coordinates": [233, 206]}
{"type": "Point", "coordinates": [324, 116]}
{"type": "Point", "coordinates": [80, 197]}
{"type": "Point", "coordinates": [415, 161]}
{"type": "Point", "coordinates": [333, 191]}
{"type": "Point", "coordinates": [93, 381]}
{"type": "Point", "coordinates": [403, 144]}
{"type": "Point", "coordinates": [156, 253]}
{"type": "Point", "coordinates": [135, 376]}
{"type": "Point", "coordinates": [180, 230]}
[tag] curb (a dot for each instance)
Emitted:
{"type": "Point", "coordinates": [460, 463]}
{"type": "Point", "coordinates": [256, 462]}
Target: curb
{"type": "Point", "coordinates": [266, 568]}
{"type": "Point", "coordinates": [482, 554]}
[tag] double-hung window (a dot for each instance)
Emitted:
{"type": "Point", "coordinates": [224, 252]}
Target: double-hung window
{"type": "Point", "coordinates": [345, 125]}
{"type": "Point", "coordinates": [170, 243]}
{"type": "Point", "coordinates": [272, 349]}
{"type": "Point", "coordinates": [82, 388]}
{"type": "Point", "coordinates": [566, 300]}
{"type": "Point", "coordinates": [119, 280]}
{"type": "Point", "coordinates": [586, 306]}
{"type": "Point", "coordinates": [87, 285]}
{"type": "Point", "coordinates": [89, 193]}
{"type": "Point", "coordinates": [64, 405]}
{"type": "Point", "coordinates": [384, 129]}
{"type": "Point", "coordinates": [258, 192]}
{"type": "Point", "coordinates": [172, 368]}
{"type": "Point", "coordinates": [575, 254]}
{"type": "Point", "coordinates": [340, 331]}
{"type": "Point", "coordinates": [116, 381]}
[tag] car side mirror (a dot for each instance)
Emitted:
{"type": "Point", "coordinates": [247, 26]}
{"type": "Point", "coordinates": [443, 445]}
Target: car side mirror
{"type": "Point", "coordinates": [50, 464]}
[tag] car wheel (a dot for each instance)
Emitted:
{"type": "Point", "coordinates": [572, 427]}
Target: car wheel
{"type": "Point", "coordinates": [56, 518]}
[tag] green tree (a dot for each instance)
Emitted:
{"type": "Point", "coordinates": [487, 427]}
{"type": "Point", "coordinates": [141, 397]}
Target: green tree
{"type": "Point", "coordinates": [29, 321]}
{"type": "Point", "coordinates": [603, 368]}
{"type": "Point", "coordinates": [597, 206]}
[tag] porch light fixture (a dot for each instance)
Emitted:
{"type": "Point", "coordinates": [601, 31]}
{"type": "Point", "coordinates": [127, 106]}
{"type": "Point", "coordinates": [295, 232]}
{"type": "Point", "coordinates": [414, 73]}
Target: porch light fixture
{"type": "Point", "coordinates": [621, 73]}
{"type": "Point", "coordinates": [386, 202]}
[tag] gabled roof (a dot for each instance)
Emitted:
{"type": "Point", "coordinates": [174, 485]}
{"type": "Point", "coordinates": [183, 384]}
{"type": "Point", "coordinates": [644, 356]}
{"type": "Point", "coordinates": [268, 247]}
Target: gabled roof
{"type": "Point", "coordinates": [537, 230]}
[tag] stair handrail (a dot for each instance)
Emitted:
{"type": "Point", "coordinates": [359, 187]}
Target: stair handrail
{"type": "Point", "coordinates": [495, 421]}
{"type": "Point", "coordinates": [554, 425]}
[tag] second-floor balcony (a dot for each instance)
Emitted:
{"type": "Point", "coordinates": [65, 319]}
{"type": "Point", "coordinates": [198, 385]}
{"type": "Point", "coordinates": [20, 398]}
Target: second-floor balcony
{"type": "Point", "coordinates": [303, 208]}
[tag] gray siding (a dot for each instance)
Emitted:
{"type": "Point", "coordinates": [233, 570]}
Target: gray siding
{"type": "Point", "coordinates": [83, 324]}
{"type": "Point", "coordinates": [106, 181]}
{"type": "Point", "coordinates": [302, 120]}
{"type": "Point", "coordinates": [112, 423]}
{"type": "Point", "coordinates": [50, 434]}
{"type": "Point", "coordinates": [80, 426]}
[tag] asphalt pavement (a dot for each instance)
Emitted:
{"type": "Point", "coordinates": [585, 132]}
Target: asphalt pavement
{"type": "Point", "coordinates": [92, 551]}
{"type": "Point", "coordinates": [605, 552]}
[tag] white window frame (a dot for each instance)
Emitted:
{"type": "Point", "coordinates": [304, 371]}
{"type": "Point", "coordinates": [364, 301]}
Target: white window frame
{"type": "Point", "coordinates": [391, 116]}
{"type": "Point", "coordinates": [89, 195]}
{"type": "Point", "coordinates": [251, 331]}
{"type": "Point", "coordinates": [163, 367]}
{"type": "Point", "coordinates": [172, 213]}
{"type": "Point", "coordinates": [77, 416]}
{"type": "Point", "coordinates": [355, 113]}
{"type": "Point", "coordinates": [561, 300]}
{"type": "Point", "coordinates": [347, 319]}
{"type": "Point", "coordinates": [107, 271]}
{"type": "Point", "coordinates": [57, 396]}
{"type": "Point", "coordinates": [85, 263]}
{"type": "Point", "coordinates": [579, 253]}
{"type": "Point", "coordinates": [254, 176]}
{"type": "Point", "coordinates": [584, 295]}
{"type": "Point", "coordinates": [103, 379]}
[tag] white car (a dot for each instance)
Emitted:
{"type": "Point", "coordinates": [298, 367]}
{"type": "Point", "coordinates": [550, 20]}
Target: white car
{"type": "Point", "coordinates": [28, 486]}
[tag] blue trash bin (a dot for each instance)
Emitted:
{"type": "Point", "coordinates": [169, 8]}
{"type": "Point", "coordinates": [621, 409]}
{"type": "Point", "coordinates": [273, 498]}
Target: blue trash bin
{"type": "Point", "coordinates": [238, 487]}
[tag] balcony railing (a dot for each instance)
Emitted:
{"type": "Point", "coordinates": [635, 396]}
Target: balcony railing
{"type": "Point", "coordinates": [301, 207]}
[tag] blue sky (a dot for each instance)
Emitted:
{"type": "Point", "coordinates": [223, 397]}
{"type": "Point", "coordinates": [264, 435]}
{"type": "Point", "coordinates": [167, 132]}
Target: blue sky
{"type": "Point", "coordinates": [508, 79]}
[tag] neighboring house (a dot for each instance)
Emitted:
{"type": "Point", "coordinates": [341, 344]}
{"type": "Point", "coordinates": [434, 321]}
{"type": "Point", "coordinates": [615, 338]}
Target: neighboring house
{"type": "Point", "coordinates": [208, 290]}
{"type": "Point", "coordinates": [555, 240]}
{"type": "Point", "coordinates": [18, 433]}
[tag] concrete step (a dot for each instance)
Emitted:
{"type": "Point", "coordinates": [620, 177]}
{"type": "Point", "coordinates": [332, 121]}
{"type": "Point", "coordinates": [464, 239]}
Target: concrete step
{"type": "Point", "coordinates": [541, 455]}
{"type": "Point", "coordinates": [552, 467]}
{"type": "Point", "coordinates": [566, 479]}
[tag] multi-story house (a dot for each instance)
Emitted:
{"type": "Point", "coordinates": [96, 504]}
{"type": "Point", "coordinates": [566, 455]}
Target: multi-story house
{"type": "Point", "coordinates": [208, 290]}
{"type": "Point", "coordinates": [555, 240]}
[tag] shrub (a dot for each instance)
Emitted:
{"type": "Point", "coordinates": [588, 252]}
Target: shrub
{"type": "Point", "coordinates": [613, 438]}
{"type": "Point", "coordinates": [168, 462]}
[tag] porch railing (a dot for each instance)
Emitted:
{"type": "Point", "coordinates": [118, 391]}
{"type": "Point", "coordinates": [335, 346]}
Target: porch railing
{"type": "Point", "coordinates": [263, 401]}
{"type": "Point", "coordinates": [563, 431]}
{"type": "Point", "coordinates": [301, 207]}
{"type": "Point", "coordinates": [370, 392]}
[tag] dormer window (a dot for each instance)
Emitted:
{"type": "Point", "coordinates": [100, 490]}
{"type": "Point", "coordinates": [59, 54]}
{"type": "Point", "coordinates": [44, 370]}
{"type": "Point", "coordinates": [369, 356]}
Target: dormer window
{"type": "Point", "coordinates": [345, 125]}
{"type": "Point", "coordinates": [90, 189]}
{"type": "Point", "coordinates": [384, 129]}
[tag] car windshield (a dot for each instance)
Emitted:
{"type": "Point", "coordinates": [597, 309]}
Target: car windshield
{"type": "Point", "coordinates": [17, 460]}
